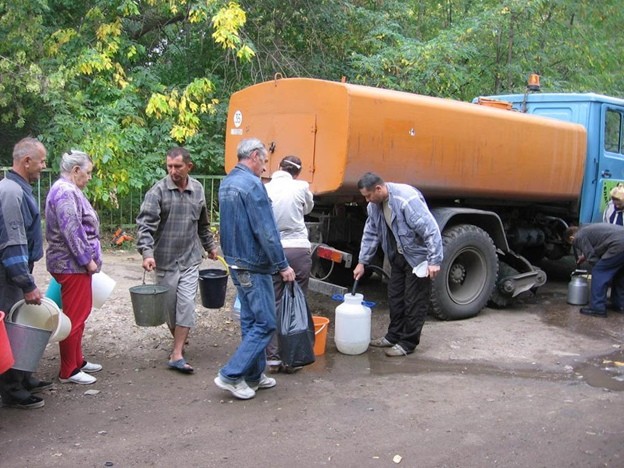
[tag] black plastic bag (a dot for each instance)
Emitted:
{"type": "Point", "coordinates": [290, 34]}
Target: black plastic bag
{"type": "Point", "coordinates": [295, 328]}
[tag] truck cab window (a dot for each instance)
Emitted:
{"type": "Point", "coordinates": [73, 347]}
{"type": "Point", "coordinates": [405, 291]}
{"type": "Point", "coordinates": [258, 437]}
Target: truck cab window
{"type": "Point", "coordinates": [613, 131]}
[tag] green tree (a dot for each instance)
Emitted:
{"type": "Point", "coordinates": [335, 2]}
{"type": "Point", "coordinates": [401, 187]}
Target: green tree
{"type": "Point", "coordinates": [127, 79]}
{"type": "Point", "coordinates": [119, 79]}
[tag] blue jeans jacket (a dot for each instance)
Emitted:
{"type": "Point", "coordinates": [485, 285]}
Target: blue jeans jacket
{"type": "Point", "coordinates": [249, 236]}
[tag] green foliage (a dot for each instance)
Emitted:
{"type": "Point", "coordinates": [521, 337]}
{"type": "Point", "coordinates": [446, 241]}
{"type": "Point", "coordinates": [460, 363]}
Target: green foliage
{"type": "Point", "coordinates": [119, 79]}
{"type": "Point", "coordinates": [125, 80]}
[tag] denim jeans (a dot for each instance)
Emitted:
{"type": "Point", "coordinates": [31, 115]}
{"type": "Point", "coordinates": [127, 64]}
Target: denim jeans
{"type": "Point", "coordinates": [257, 318]}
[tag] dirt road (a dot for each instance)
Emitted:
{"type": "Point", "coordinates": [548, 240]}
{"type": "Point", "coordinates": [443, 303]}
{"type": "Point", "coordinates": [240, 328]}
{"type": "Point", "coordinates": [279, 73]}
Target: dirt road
{"type": "Point", "coordinates": [535, 385]}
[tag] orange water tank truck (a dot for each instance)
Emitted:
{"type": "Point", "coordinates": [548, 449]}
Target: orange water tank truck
{"type": "Point", "coordinates": [502, 182]}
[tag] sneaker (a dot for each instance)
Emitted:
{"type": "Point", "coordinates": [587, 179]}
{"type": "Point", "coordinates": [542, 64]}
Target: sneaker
{"type": "Point", "coordinates": [265, 382]}
{"type": "Point", "coordinates": [91, 367]}
{"type": "Point", "coordinates": [31, 402]}
{"type": "Point", "coordinates": [240, 390]}
{"type": "Point", "coordinates": [595, 313]}
{"type": "Point", "coordinates": [81, 378]}
{"type": "Point", "coordinates": [381, 343]}
{"type": "Point", "coordinates": [40, 387]}
{"type": "Point", "coordinates": [397, 350]}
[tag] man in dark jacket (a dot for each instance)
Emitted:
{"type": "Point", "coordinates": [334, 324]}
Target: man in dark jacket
{"type": "Point", "coordinates": [602, 246]}
{"type": "Point", "coordinates": [21, 245]}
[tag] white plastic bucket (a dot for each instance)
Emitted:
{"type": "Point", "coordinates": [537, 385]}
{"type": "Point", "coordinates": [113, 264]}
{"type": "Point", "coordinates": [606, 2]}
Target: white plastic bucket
{"type": "Point", "coordinates": [102, 286]}
{"type": "Point", "coordinates": [46, 316]}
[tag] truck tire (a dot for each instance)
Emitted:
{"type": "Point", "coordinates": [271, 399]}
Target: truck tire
{"type": "Point", "coordinates": [468, 273]}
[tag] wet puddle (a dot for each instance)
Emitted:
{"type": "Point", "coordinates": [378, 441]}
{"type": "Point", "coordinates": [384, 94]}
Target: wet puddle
{"type": "Point", "coordinates": [380, 365]}
{"type": "Point", "coordinates": [604, 371]}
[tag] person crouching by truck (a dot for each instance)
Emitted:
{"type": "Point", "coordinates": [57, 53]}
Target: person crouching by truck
{"type": "Point", "coordinates": [399, 220]}
{"type": "Point", "coordinates": [602, 246]}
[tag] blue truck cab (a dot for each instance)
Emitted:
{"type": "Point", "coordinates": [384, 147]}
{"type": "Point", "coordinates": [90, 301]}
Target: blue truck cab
{"type": "Point", "coordinates": [603, 118]}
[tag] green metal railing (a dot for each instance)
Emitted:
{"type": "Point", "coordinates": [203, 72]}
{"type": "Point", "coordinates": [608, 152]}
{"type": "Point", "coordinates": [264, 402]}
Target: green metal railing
{"type": "Point", "coordinates": [124, 215]}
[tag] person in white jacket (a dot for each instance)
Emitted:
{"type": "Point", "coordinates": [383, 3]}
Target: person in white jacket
{"type": "Point", "coordinates": [291, 200]}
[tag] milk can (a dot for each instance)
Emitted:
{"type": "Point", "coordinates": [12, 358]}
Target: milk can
{"type": "Point", "coordinates": [353, 325]}
{"type": "Point", "coordinates": [578, 288]}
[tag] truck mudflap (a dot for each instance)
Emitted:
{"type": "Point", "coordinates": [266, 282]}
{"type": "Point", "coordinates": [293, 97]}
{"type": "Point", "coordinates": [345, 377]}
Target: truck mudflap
{"type": "Point", "coordinates": [512, 286]}
{"type": "Point", "coordinates": [515, 276]}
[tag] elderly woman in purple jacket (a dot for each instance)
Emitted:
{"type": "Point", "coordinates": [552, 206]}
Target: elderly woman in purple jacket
{"type": "Point", "coordinates": [73, 255]}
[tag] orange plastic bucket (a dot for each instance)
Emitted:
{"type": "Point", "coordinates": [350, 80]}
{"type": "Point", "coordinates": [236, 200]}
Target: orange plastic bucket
{"type": "Point", "coordinates": [321, 324]}
{"type": "Point", "coordinates": [6, 355]}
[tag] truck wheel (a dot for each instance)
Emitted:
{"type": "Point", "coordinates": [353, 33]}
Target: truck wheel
{"type": "Point", "coordinates": [467, 275]}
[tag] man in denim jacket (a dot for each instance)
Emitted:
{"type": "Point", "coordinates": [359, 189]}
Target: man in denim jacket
{"type": "Point", "coordinates": [251, 247]}
{"type": "Point", "coordinates": [399, 220]}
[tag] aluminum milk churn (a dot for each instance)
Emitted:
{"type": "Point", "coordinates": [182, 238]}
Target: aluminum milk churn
{"type": "Point", "coordinates": [353, 325]}
{"type": "Point", "coordinates": [578, 288]}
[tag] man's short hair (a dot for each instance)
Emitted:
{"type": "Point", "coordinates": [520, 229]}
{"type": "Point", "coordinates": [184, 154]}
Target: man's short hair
{"type": "Point", "coordinates": [248, 146]}
{"type": "Point", "coordinates": [179, 151]}
{"type": "Point", "coordinates": [570, 233]}
{"type": "Point", "coordinates": [27, 147]}
{"type": "Point", "coordinates": [369, 181]}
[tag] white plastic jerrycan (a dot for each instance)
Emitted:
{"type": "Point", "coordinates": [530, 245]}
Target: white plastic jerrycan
{"type": "Point", "coordinates": [353, 325]}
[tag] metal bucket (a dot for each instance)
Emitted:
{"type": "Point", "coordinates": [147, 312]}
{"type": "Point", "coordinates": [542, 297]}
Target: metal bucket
{"type": "Point", "coordinates": [46, 316]}
{"type": "Point", "coordinates": [27, 344]}
{"type": "Point", "coordinates": [148, 304]}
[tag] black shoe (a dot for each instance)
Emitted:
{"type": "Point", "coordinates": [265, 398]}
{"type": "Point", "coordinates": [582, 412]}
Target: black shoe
{"type": "Point", "coordinates": [40, 387]}
{"type": "Point", "coordinates": [616, 309]}
{"type": "Point", "coordinates": [290, 370]}
{"type": "Point", "coordinates": [31, 402]}
{"type": "Point", "coordinates": [595, 313]}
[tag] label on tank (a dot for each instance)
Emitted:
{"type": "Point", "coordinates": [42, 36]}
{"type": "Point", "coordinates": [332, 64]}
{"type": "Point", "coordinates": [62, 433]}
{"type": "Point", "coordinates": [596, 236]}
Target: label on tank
{"type": "Point", "coordinates": [238, 118]}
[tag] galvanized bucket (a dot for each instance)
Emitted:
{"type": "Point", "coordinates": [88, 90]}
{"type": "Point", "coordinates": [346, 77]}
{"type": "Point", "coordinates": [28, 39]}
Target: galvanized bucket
{"type": "Point", "coordinates": [27, 344]}
{"type": "Point", "coordinates": [46, 316]}
{"type": "Point", "coordinates": [148, 304]}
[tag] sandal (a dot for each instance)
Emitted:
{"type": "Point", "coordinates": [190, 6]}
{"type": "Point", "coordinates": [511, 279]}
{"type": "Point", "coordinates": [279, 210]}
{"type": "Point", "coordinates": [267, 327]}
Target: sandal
{"type": "Point", "coordinates": [181, 366]}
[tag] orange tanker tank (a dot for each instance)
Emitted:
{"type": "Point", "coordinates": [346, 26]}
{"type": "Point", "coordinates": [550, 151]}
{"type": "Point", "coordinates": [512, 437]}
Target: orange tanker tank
{"type": "Point", "coordinates": [446, 148]}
